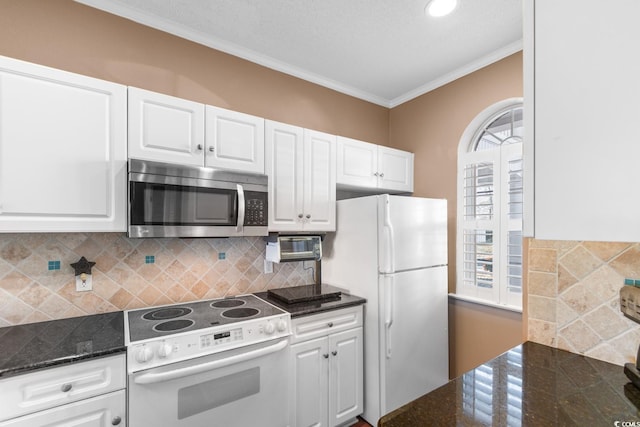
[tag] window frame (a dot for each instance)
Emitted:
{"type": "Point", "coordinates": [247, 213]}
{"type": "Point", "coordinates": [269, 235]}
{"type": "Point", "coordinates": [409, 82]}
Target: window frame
{"type": "Point", "coordinates": [498, 296]}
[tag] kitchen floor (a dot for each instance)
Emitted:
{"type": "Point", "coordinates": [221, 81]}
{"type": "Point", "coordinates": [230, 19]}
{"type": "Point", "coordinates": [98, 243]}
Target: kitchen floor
{"type": "Point", "coordinates": [361, 423]}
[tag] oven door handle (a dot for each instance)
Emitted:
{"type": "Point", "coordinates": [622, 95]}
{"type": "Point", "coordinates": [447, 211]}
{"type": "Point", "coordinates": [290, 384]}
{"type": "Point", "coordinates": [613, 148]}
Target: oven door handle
{"type": "Point", "coordinates": [152, 378]}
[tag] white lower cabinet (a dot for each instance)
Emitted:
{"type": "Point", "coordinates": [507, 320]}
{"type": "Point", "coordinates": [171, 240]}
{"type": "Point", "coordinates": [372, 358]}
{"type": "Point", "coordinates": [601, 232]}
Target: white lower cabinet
{"type": "Point", "coordinates": [327, 384]}
{"type": "Point", "coordinates": [101, 411]}
{"type": "Point", "coordinates": [90, 393]}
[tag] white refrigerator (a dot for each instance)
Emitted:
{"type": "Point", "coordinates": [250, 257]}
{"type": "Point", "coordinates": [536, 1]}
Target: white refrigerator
{"type": "Point", "coordinates": [392, 250]}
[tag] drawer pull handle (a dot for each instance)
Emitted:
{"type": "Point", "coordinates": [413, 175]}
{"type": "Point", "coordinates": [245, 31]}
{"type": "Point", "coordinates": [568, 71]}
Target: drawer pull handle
{"type": "Point", "coordinates": [116, 420]}
{"type": "Point", "coordinates": [330, 324]}
{"type": "Point", "coordinates": [66, 387]}
{"type": "Point", "coordinates": [335, 353]}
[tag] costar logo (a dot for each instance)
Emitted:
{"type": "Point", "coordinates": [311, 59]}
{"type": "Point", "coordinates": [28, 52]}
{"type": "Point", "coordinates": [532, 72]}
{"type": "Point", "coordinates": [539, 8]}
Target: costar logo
{"type": "Point", "coordinates": [626, 423]}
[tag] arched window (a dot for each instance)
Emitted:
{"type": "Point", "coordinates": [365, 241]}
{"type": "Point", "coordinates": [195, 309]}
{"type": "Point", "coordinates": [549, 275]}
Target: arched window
{"type": "Point", "coordinates": [489, 236]}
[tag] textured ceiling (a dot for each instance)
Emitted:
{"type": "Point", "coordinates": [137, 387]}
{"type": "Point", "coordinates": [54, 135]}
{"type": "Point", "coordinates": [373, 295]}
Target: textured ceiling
{"type": "Point", "coordinates": [382, 51]}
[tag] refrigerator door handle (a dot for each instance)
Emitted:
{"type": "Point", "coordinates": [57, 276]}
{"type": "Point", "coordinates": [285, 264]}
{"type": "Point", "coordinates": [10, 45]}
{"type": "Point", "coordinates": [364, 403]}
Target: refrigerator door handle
{"type": "Point", "coordinates": [391, 250]}
{"type": "Point", "coordinates": [388, 316]}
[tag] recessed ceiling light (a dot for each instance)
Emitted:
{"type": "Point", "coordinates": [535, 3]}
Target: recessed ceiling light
{"type": "Point", "coordinates": [440, 7]}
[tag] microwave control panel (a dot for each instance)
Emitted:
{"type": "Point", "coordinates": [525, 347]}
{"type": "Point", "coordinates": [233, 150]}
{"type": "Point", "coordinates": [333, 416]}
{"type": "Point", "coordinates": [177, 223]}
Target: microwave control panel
{"type": "Point", "coordinates": [255, 211]}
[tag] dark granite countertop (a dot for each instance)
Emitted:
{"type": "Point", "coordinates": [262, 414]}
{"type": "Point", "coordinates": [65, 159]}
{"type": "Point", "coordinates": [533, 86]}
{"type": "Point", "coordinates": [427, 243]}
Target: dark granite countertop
{"type": "Point", "coordinates": [25, 348]}
{"type": "Point", "coordinates": [530, 385]}
{"type": "Point", "coordinates": [313, 307]}
{"type": "Point", "coordinates": [34, 346]}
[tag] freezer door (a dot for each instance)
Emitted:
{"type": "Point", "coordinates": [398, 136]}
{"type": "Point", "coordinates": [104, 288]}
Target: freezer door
{"type": "Point", "coordinates": [413, 233]}
{"type": "Point", "coordinates": [415, 348]}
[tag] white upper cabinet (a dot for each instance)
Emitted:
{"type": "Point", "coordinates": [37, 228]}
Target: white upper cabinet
{"type": "Point", "coordinates": [581, 105]}
{"type": "Point", "coordinates": [62, 150]}
{"type": "Point", "coordinates": [301, 168]}
{"type": "Point", "coordinates": [365, 166]}
{"type": "Point", "coordinates": [164, 128]}
{"type": "Point", "coordinates": [234, 140]}
{"type": "Point", "coordinates": [395, 169]}
{"type": "Point", "coordinates": [357, 163]}
{"type": "Point", "coordinates": [319, 181]}
{"type": "Point", "coordinates": [175, 130]}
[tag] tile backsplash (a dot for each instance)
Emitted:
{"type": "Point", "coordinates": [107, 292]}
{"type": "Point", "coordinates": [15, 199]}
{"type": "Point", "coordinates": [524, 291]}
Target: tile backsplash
{"type": "Point", "coordinates": [37, 282]}
{"type": "Point", "coordinates": [573, 297]}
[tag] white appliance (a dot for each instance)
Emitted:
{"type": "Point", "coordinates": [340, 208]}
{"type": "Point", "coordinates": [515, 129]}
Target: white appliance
{"type": "Point", "coordinates": [392, 250]}
{"type": "Point", "coordinates": [208, 363]}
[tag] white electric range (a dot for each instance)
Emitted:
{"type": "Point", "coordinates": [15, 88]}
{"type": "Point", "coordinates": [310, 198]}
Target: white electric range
{"type": "Point", "coordinates": [220, 362]}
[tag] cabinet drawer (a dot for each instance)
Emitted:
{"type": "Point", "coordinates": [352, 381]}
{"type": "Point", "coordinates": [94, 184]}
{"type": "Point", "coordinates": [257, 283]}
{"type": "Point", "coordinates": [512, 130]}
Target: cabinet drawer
{"type": "Point", "coordinates": [57, 386]}
{"type": "Point", "coordinates": [323, 324]}
{"type": "Point", "coordinates": [101, 411]}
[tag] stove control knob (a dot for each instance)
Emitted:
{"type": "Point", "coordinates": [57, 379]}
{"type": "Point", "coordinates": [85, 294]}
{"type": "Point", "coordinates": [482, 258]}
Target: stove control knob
{"type": "Point", "coordinates": [165, 350]}
{"type": "Point", "coordinates": [144, 354]}
{"type": "Point", "coordinates": [282, 325]}
{"type": "Point", "coordinates": [269, 328]}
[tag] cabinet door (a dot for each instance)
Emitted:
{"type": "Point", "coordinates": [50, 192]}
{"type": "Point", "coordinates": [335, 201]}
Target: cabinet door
{"type": "Point", "coordinates": [357, 164]}
{"type": "Point", "coordinates": [165, 128]}
{"type": "Point", "coordinates": [309, 383]}
{"type": "Point", "coordinates": [234, 140]}
{"type": "Point", "coordinates": [47, 388]}
{"type": "Point", "coordinates": [284, 166]}
{"type": "Point", "coordinates": [586, 92]}
{"type": "Point", "coordinates": [319, 325]}
{"type": "Point", "coordinates": [345, 376]}
{"type": "Point", "coordinates": [62, 150]}
{"type": "Point", "coordinates": [106, 410]}
{"type": "Point", "coordinates": [395, 170]}
{"type": "Point", "coordinates": [319, 181]}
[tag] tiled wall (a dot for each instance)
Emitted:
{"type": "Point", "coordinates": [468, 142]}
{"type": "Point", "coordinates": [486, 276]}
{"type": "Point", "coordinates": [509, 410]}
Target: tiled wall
{"type": "Point", "coordinates": [573, 297]}
{"type": "Point", "coordinates": [129, 273]}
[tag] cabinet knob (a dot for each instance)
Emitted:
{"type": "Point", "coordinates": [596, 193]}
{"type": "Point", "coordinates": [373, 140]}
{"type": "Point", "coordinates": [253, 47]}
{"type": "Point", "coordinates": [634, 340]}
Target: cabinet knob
{"type": "Point", "coordinates": [375, 174]}
{"type": "Point", "coordinates": [116, 420]}
{"type": "Point", "coordinates": [382, 175]}
{"type": "Point", "coordinates": [308, 216]}
{"type": "Point", "coordinates": [212, 149]}
{"type": "Point", "coordinates": [200, 147]}
{"type": "Point", "coordinates": [66, 387]}
{"type": "Point", "coordinates": [326, 356]}
{"type": "Point", "coordinates": [300, 215]}
{"type": "Point", "coordinates": [334, 352]}
{"type": "Point", "coordinates": [330, 324]}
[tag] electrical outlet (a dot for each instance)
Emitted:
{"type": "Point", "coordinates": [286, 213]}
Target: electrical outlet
{"type": "Point", "coordinates": [84, 285]}
{"type": "Point", "coordinates": [630, 302]}
{"type": "Point", "coordinates": [268, 267]}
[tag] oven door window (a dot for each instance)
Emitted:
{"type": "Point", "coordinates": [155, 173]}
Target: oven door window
{"type": "Point", "coordinates": [162, 204]}
{"type": "Point", "coordinates": [216, 392]}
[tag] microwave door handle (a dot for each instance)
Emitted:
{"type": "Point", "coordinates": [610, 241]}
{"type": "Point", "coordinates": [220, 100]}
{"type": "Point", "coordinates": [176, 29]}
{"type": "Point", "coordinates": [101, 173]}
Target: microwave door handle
{"type": "Point", "coordinates": [240, 225]}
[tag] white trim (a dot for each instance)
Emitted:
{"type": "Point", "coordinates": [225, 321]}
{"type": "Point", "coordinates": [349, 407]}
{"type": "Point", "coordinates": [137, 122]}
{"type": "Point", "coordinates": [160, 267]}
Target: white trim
{"type": "Point", "coordinates": [528, 155]}
{"type": "Point", "coordinates": [469, 68]}
{"type": "Point", "coordinates": [482, 119]}
{"type": "Point", "coordinates": [485, 303]}
{"type": "Point", "coordinates": [135, 15]}
{"type": "Point", "coordinates": [498, 294]}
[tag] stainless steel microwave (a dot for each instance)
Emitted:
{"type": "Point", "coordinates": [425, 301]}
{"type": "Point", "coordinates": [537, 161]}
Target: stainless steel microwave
{"type": "Point", "coordinates": [168, 200]}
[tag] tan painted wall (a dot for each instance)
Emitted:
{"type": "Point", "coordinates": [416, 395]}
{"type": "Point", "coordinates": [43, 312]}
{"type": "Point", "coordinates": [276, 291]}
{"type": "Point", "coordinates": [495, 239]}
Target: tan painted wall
{"type": "Point", "coordinates": [74, 37]}
{"type": "Point", "coordinates": [431, 126]}
{"type": "Point", "coordinates": [70, 36]}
